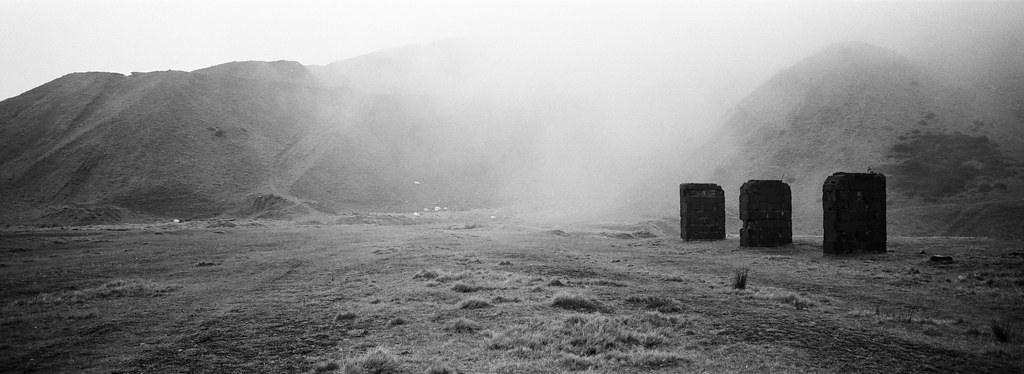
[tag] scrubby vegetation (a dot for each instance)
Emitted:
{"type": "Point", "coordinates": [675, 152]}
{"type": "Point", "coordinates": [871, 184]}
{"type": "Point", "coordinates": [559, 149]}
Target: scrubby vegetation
{"type": "Point", "coordinates": [936, 164]}
{"type": "Point", "coordinates": [583, 341]}
{"type": "Point", "coordinates": [577, 303]}
{"type": "Point", "coordinates": [739, 280]}
{"type": "Point", "coordinates": [328, 300]}
{"type": "Point", "coordinates": [111, 289]}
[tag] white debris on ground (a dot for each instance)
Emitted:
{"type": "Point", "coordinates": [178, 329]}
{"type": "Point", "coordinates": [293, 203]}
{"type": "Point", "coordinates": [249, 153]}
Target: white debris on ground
{"type": "Point", "coordinates": [176, 221]}
{"type": "Point", "coordinates": [415, 214]}
{"type": "Point", "coordinates": [416, 182]}
{"type": "Point", "coordinates": [437, 209]}
{"type": "Point", "coordinates": [426, 209]}
{"type": "Point", "coordinates": [493, 217]}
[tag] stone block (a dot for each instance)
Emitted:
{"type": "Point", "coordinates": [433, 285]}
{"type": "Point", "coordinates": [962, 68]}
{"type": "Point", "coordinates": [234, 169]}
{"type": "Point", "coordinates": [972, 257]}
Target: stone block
{"type": "Point", "coordinates": [701, 211]}
{"type": "Point", "coordinates": [854, 216]}
{"type": "Point", "coordinates": [766, 208]}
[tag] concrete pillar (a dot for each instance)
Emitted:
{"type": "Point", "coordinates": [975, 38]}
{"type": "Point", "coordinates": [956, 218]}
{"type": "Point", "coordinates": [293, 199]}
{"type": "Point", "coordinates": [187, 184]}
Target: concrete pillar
{"type": "Point", "coordinates": [702, 211]}
{"type": "Point", "coordinates": [766, 208]}
{"type": "Point", "coordinates": [854, 213]}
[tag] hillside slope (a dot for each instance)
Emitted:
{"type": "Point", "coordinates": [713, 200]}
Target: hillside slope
{"type": "Point", "coordinates": [856, 107]}
{"type": "Point", "coordinates": [245, 138]}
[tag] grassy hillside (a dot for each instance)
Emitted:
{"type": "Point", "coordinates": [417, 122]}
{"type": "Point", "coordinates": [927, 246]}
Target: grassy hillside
{"type": "Point", "coordinates": [855, 107]}
{"type": "Point", "coordinates": [212, 141]}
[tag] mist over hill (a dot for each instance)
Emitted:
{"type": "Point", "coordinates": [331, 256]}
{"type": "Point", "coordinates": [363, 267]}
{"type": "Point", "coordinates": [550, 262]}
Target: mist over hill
{"type": "Point", "coordinates": [943, 144]}
{"type": "Point", "coordinates": [467, 125]}
{"type": "Point", "coordinates": [239, 138]}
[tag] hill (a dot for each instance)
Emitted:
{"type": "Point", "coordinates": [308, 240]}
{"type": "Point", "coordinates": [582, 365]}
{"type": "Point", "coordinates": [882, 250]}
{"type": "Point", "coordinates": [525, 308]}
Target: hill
{"type": "Point", "coordinates": [457, 124]}
{"type": "Point", "coordinates": [242, 138]}
{"type": "Point", "coordinates": [944, 147]}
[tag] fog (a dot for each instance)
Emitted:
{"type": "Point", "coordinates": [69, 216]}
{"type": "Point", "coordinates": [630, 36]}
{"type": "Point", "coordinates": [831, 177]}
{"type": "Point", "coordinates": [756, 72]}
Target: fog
{"type": "Point", "coordinates": [615, 102]}
{"type": "Point", "coordinates": [614, 97]}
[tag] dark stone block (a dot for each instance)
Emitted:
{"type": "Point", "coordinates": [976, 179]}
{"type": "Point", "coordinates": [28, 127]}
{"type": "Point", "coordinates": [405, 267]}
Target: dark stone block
{"type": "Point", "coordinates": [766, 208]}
{"type": "Point", "coordinates": [853, 207]}
{"type": "Point", "coordinates": [701, 211]}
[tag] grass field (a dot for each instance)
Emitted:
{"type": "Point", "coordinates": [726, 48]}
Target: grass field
{"type": "Point", "coordinates": [464, 293]}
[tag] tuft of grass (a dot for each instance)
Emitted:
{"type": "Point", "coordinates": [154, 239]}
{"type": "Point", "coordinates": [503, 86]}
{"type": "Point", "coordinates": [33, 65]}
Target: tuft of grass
{"type": "Point", "coordinates": [739, 280]}
{"type": "Point", "coordinates": [447, 277]}
{"type": "Point", "coordinates": [426, 274]}
{"type": "Point", "coordinates": [505, 263]}
{"type": "Point", "coordinates": [999, 332]}
{"type": "Point", "coordinates": [588, 341]}
{"type": "Point", "coordinates": [397, 321]}
{"type": "Point", "coordinates": [901, 316]}
{"type": "Point", "coordinates": [596, 335]}
{"type": "Point", "coordinates": [785, 297]}
{"type": "Point", "coordinates": [502, 299]}
{"type": "Point", "coordinates": [326, 366]}
{"type": "Point", "coordinates": [441, 276]}
{"type": "Point", "coordinates": [674, 278]}
{"type": "Point", "coordinates": [573, 362]}
{"type": "Point", "coordinates": [347, 316]}
{"type": "Point", "coordinates": [464, 288]}
{"type": "Point", "coordinates": [649, 358]}
{"type": "Point", "coordinates": [577, 303]}
{"type": "Point", "coordinates": [112, 289]}
{"type": "Point", "coordinates": [463, 325]}
{"type": "Point", "coordinates": [376, 361]}
{"type": "Point", "coordinates": [474, 303]}
{"type": "Point", "coordinates": [661, 304]}
{"type": "Point", "coordinates": [522, 338]}
{"type": "Point", "coordinates": [556, 283]}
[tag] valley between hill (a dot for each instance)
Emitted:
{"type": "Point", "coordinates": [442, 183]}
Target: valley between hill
{"type": "Point", "coordinates": [465, 292]}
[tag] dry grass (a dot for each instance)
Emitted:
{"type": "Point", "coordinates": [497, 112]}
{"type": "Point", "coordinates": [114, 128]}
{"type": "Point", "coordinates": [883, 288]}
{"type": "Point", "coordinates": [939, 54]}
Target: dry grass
{"type": "Point", "coordinates": [901, 316]}
{"type": "Point", "coordinates": [785, 297]}
{"type": "Point", "coordinates": [663, 311]}
{"type": "Point", "coordinates": [465, 288]}
{"type": "Point", "coordinates": [650, 358]}
{"type": "Point", "coordinates": [375, 361]}
{"type": "Point", "coordinates": [587, 341]}
{"type": "Point", "coordinates": [578, 303]}
{"type": "Point", "coordinates": [739, 280]}
{"type": "Point", "coordinates": [474, 303]}
{"type": "Point", "coordinates": [661, 304]}
{"type": "Point", "coordinates": [113, 289]}
{"type": "Point", "coordinates": [326, 366]}
{"type": "Point", "coordinates": [441, 275]}
{"type": "Point", "coordinates": [463, 325]}
{"type": "Point", "coordinates": [346, 316]}
{"type": "Point", "coordinates": [999, 332]}
{"type": "Point", "coordinates": [397, 321]}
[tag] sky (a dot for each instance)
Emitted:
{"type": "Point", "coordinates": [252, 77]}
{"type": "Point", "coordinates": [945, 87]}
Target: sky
{"type": "Point", "coordinates": [741, 43]}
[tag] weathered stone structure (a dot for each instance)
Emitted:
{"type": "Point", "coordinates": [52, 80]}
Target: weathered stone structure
{"type": "Point", "coordinates": [766, 208]}
{"type": "Point", "coordinates": [854, 207]}
{"type": "Point", "coordinates": [702, 211]}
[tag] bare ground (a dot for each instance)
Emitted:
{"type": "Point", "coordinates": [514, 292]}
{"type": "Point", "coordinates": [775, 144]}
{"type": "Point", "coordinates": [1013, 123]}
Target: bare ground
{"type": "Point", "coordinates": [465, 293]}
